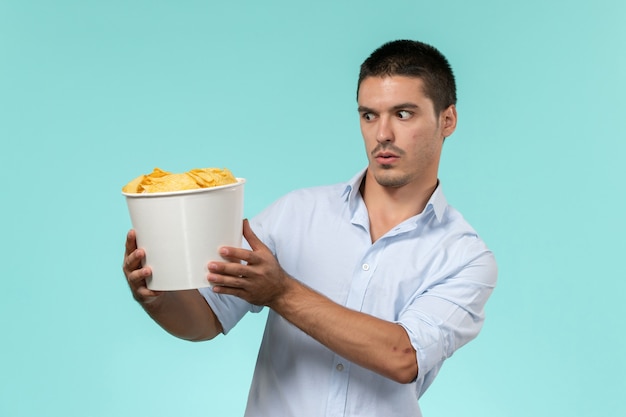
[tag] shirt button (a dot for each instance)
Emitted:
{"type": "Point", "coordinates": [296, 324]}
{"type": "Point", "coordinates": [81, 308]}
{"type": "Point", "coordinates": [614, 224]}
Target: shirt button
{"type": "Point", "coordinates": [366, 267]}
{"type": "Point", "coordinates": [339, 367]}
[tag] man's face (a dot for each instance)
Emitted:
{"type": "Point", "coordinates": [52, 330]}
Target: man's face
{"type": "Point", "coordinates": [403, 135]}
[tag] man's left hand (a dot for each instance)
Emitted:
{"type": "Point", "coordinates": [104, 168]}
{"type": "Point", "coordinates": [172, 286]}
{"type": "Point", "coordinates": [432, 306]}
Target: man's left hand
{"type": "Point", "coordinates": [253, 275]}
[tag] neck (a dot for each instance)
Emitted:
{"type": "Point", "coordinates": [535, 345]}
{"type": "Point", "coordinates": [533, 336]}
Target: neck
{"type": "Point", "coordinates": [390, 206]}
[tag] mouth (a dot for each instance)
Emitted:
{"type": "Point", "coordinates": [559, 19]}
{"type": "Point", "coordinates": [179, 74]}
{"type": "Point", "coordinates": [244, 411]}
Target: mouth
{"type": "Point", "coordinates": [386, 158]}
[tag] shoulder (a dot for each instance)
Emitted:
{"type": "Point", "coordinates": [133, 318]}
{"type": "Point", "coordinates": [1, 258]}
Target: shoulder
{"type": "Point", "coordinates": [464, 243]}
{"type": "Point", "coordinates": [306, 198]}
{"type": "Point", "coordinates": [295, 211]}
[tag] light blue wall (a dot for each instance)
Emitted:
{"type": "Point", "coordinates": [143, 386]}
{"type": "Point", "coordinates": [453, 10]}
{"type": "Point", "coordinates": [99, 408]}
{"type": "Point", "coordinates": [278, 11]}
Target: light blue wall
{"type": "Point", "coordinates": [92, 93]}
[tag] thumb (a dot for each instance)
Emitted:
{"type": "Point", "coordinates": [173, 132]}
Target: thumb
{"type": "Point", "coordinates": [251, 237]}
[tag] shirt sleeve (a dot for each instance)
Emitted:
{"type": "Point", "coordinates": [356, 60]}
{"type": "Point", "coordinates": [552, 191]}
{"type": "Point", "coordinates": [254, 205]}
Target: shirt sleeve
{"type": "Point", "coordinates": [451, 312]}
{"type": "Point", "coordinates": [228, 308]}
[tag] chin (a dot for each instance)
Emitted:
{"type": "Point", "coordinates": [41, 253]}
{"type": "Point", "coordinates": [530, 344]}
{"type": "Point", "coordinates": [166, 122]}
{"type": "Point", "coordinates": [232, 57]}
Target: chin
{"type": "Point", "coordinates": [390, 180]}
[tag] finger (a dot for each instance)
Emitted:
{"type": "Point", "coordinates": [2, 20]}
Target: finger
{"type": "Point", "coordinates": [232, 282]}
{"type": "Point", "coordinates": [133, 260]}
{"type": "Point", "coordinates": [131, 242]}
{"type": "Point", "coordinates": [237, 292]}
{"type": "Point", "coordinates": [229, 281]}
{"type": "Point", "coordinates": [232, 269]}
{"type": "Point", "coordinates": [146, 296]}
{"type": "Point", "coordinates": [233, 254]}
{"type": "Point", "coordinates": [138, 277]}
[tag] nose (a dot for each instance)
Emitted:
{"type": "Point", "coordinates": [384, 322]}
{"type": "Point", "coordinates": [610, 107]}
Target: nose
{"type": "Point", "coordinates": [384, 132]}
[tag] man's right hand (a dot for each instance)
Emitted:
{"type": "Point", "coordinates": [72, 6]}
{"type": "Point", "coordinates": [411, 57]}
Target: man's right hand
{"type": "Point", "coordinates": [185, 313]}
{"type": "Point", "coordinates": [136, 275]}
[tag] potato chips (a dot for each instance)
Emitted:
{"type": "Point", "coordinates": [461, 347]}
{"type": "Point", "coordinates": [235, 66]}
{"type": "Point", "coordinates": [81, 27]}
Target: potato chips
{"type": "Point", "coordinates": [159, 181]}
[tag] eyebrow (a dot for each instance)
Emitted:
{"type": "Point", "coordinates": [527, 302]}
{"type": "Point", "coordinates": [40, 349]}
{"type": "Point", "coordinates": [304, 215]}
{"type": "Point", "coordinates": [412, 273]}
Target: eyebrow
{"type": "Point", "coordinates": [402, 106]}
{"type": "Point", "coordinates": [405, 106]}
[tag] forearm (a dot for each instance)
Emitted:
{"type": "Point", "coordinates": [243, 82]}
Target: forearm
{"type": "Point", "coordinates": [184, 314]}
{"type": "Point", "coordinates": [381, 346]}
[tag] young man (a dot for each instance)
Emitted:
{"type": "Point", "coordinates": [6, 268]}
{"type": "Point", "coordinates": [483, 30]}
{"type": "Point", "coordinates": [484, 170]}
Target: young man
{"type": "Point", "coordinates": [372, 283]}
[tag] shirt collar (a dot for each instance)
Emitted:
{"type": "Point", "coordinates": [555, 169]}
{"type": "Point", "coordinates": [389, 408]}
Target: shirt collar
{"type": "Point", "coordinates": [351, 190]}
{"type": "Point", "coordinates": [437, 201]}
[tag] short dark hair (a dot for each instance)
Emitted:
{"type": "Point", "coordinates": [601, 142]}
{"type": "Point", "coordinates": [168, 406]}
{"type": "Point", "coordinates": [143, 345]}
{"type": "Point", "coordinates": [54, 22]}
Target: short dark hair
{"type": "Point", "coordinates": [414, 59]}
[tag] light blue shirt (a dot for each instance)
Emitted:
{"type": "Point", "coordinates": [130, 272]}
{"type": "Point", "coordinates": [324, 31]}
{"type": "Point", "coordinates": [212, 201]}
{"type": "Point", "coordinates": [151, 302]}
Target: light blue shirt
{"type": "Point", "coordinates": [432, 274]}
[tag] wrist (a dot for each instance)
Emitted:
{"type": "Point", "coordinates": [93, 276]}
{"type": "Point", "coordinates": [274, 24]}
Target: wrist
{"type": "Point", "coordinates": [296, 299]}
{"type": "Point", "coordinates": [286, 295]}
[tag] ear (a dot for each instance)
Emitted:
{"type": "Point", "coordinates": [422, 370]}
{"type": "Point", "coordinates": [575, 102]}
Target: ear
{"type": "Point", "coordinates": [447, 121]}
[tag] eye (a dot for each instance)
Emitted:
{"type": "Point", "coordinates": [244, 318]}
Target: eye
{"type": "Point", "coordinates": [368, 116]}
{"type": "Point", "coordinates": [404, 114]}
